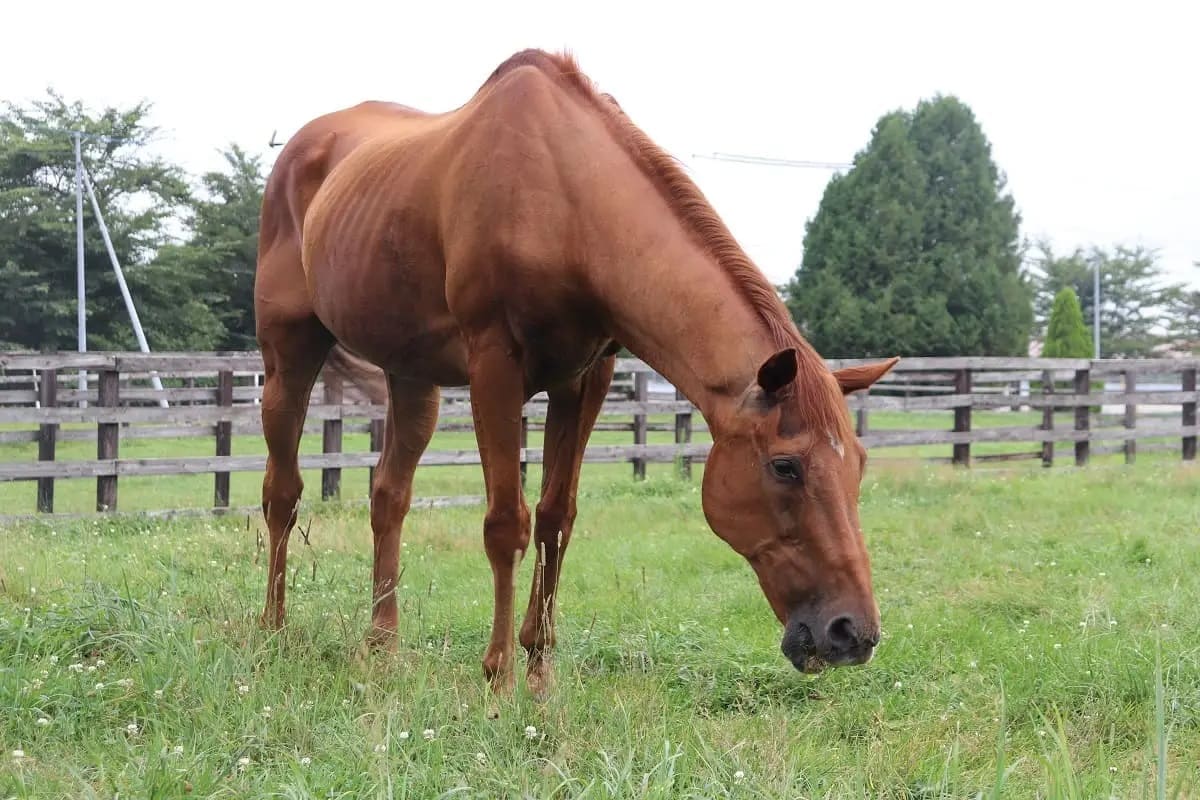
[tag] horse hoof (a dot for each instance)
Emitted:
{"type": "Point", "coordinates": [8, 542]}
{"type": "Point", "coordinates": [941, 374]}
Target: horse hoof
{"type": "Point", "coordinates": [539, 680]}
{"type": "Point", "coordinates": [381, 640]}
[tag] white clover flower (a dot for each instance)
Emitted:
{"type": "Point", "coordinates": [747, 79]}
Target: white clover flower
{"type": "Point", "coordinates": [43, 721]}
{"type": "Point", "coordinates": [739, 776]}
{"type": "Point", "coordinates": [243, 762]}
{"type": "Point", "coordinates": [53, 659]}
{"type": "Point", "coordinates": [429, 733]}
{"type": "Point", "coordinates": [131, 728]}
{"type": "Point", "coordinates": [158, 693]}
{"type": "Point", "coordinates": [76, 667]}
{"type": "Point", "coordinates": [18, 754]}
{"type": "Point", "coordinates": [530, 732]}
{"type": "Point", "coordinates": [897, 685]}
{"type": "Point", "coordinates": [243, 689]}
{"type": "Point", "coordinates": [304, 762]}
{"type": "Point", "coordinates": [402, 735]}
{"type": "Point", "coordinates": [177, 749]}
{"type": "Point", "coordinates": [100, 662]}
{"type": "Point", "coordinates": [381, 748]}
{"type": "Point", "coordinates": [480, 758]}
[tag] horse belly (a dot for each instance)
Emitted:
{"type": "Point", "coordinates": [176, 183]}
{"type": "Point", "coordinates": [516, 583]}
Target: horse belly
{"type": "Point", "coordinates": [391, 310]}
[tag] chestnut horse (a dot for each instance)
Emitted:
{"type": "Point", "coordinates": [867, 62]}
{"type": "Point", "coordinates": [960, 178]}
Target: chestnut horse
{"type": "Point", "coordinates": [508, 245]}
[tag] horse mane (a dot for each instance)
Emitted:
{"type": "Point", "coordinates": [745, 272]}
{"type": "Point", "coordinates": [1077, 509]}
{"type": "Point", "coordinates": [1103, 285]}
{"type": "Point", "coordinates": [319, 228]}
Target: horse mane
{"type": "Point", "coordinates": [826, 410]}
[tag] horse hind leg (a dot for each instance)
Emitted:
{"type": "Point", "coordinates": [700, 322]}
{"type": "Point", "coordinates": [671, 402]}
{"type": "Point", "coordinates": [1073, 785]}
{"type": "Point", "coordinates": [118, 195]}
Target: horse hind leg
{"type": "Point", "coordinates": [292, 359]}
{"type": "Point", "coordinates": [412, 419]}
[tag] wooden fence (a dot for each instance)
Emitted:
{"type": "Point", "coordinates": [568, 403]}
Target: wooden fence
{"type": "Point", "coordinates": [1109, 405]}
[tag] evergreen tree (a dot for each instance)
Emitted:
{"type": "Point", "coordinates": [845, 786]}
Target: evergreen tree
{"type": "Point", "coordinates": [1136, 302]}
{"type": "Point", "coordinates": [1066, 335]}
{"type": "Point", "coordinates": [914, 251]}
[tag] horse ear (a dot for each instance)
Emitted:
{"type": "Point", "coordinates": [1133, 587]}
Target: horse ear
{"type": "Point", "coordinates": [851, 379]}
{"type": "Point", "coordinates": [778, 371]}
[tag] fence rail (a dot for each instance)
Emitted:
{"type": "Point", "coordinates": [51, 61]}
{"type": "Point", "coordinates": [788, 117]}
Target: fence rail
{"type": "Point", "coordinates": [1090, 404]}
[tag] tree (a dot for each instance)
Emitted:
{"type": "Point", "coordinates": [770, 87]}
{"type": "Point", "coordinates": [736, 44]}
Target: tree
{"type": "Point", "coordinates": [1066, 335]}
{"type": "Point", "coordinates": [1184, 318]}
{"type": "Point", "coordinates": [223, 247]}
{"type": "Point", "coordinates": [140, 195]}
{"type": "Point", "coordinates": [1135, 300]}
{"type": "Point", "coordinates": [914, 251]}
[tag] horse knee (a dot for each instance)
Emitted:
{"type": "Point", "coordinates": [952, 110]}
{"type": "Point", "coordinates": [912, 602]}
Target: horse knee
{"type": "Point", "coordinates": [389, 506]}
{"type": "Point", "coordinates": [281, 494]}
{"type": "Point", "coordinates": [554, 518]}
{"type": "Point", "coordinates": [506, 532]}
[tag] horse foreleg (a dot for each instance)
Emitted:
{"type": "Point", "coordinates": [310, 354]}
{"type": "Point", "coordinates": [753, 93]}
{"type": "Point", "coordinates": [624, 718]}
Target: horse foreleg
{"type": "Point", "coordinates": [569, 419]}
{"type": "Point", "coordinates": [497, 396]}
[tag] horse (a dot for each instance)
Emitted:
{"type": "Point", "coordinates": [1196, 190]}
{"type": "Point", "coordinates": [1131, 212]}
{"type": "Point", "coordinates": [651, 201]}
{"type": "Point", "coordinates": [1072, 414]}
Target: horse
{"type": "Point", "coordinates": [512, 245]}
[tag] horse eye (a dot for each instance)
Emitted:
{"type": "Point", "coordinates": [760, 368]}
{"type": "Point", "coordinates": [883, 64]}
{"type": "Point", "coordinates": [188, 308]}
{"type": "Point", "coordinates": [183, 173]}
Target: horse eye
{"type": "Point", "coordinates": [786, 469]}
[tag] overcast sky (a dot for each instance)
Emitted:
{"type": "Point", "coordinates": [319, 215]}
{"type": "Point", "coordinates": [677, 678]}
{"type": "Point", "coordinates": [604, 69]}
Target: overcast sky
{"type": "Point", "coordinates": [1092, 108]}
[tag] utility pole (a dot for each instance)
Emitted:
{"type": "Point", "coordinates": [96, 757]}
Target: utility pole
{"type": "Point", "coordinates": [1096, 306]}
{"type": "Point", "coordinates": [81, 321]}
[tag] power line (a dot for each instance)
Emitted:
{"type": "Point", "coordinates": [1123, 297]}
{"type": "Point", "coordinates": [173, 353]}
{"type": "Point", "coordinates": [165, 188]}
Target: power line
{"type": "Point", "coordinates": [772, 162]}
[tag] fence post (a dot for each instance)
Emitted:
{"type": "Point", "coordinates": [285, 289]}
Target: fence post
{"type": "Point", "coordinates": [1189, 414]}
{"type": "Point", "coordinates": [376, 447]}
{"type": "Point", "coordinates": [1083, 388]}
{"type": "Point", "coordinates": [1048, 417]}
{"type": "Point", "coordinates": [683, 435]}
{"type": "Point", "coordinates": [1130, 416]}
{"type": "Point", "coordinates": [641, 390]}
{"type": "Point", "coordinates": [224, 438]}
{"type": "Point", "coordinates": [108, 439]}
{"type": "Point", "coordinates": [331, 439]}
{"type": "Point", "coordinates": [962, 417]}
{"type": "Point", "coordinates": [524, 446]}
{"type": "Point", "coordinates": [47, 439]}
{"type": "Point", "coordinates": [862, 421]}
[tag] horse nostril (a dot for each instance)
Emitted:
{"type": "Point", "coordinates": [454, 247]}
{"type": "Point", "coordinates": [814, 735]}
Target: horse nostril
{"type": "Point", "coordinates": [842, 633]}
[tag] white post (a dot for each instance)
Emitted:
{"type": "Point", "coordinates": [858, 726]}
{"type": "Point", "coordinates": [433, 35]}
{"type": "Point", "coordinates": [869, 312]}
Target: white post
{"type": "Point", "coordinates": [112, 255]}
{"type": "Point", "coordinates": [81, 321]}
{"type": "Point", "coordinates": [1096, 306]}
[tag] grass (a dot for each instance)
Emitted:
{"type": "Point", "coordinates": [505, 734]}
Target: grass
{"type": "Point", "coordinates": [1041, 640]}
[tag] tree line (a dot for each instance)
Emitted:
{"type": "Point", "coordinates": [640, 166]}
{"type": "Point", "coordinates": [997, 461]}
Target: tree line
{"type": "Point", "coordinates": [187, 245]}
{"type": "Point", "coordinates": [914, 250]}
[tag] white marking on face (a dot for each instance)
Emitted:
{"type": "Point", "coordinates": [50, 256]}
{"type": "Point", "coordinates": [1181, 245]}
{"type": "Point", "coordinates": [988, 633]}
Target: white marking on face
{"type": "Point", "coordinates": [837, 446]}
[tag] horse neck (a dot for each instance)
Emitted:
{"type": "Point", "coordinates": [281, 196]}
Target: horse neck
{"type": "Point", "coordinates": [675, 307]}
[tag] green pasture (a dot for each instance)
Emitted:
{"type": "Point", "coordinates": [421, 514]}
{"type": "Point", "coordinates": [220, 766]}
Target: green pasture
{"type": "Point", "coordinates": [1041, 640]}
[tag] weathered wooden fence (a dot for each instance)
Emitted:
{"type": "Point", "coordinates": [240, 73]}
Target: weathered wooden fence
{"type": "Point", "coordinates": [1108, 405]}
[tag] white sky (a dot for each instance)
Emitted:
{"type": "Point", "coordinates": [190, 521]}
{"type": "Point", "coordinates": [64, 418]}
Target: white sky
{"type": "Point", "coordinates": [1092, 109]}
